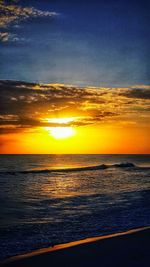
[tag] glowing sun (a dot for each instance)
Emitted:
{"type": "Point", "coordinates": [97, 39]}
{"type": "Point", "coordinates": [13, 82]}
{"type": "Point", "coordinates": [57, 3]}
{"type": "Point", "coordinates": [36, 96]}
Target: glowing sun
{"type": "Point", "coordinates": [61, 132]}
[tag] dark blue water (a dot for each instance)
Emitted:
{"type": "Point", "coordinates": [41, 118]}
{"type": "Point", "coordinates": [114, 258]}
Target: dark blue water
{"type": "Point", "coordinates": [51, 199]}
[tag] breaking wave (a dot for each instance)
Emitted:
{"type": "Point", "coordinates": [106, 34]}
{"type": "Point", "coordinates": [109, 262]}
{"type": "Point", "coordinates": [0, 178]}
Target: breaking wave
{"type": "Point", "coordinates": [127, 165]}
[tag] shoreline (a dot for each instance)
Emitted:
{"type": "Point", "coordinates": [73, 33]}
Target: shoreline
{"type": "Point", "coordinates": [85, 244]}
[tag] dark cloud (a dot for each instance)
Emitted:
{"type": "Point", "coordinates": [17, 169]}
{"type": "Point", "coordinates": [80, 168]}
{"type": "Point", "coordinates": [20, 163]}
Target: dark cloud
{"type": "Point", "coordinates": [24, 106]}
{"type": "Point", "coordinates": [139, 93]}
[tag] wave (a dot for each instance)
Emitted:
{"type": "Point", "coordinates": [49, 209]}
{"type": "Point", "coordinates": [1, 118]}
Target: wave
{"type": "Point", "coordinates": [126, 165]}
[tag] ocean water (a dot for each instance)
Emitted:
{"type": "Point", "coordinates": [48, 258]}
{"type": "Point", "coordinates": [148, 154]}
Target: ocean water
{"type": "Point", "coordinates": [52, 199]}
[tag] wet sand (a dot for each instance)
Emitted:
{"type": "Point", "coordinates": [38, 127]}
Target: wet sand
{"type": "Point", "coordinates": [127, 249]}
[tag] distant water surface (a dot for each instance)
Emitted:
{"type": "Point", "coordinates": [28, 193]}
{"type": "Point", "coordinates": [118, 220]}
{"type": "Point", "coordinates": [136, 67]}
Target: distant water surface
{"type": "Point", "coordinates": [51, 199]}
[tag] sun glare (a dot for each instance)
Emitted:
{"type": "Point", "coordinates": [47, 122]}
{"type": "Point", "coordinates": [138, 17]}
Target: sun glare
{"type": "Point", "coordinates": [61, 132]}
{"type": "Point", "coordinates": [59, 120]}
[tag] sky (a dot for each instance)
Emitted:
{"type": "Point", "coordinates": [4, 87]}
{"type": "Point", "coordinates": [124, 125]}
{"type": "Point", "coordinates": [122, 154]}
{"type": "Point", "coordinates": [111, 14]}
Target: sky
{"type": "Point", "coordinates": [78, 42]}
{"type": "Point", "coordinates": [74, 76]}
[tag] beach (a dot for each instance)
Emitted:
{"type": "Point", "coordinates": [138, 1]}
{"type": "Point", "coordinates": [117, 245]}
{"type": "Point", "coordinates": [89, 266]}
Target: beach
{"type": "Point", "coordinates": [124, 249]}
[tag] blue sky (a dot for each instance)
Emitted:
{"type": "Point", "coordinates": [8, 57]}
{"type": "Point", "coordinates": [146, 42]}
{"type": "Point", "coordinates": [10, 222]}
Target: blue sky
{"type": "Point", "coordinates": [99, 43]}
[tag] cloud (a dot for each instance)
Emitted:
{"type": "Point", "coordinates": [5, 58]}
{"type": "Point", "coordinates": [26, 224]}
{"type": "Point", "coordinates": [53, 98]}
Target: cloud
{"type": "Point", "coordinates": [13, 14]}
{"type": "Point", "coordinates": [24, 106]}
{"type": "Point", "coordinates": [137, 93]}
{"type": "Point", "coordinates": [9, 37]}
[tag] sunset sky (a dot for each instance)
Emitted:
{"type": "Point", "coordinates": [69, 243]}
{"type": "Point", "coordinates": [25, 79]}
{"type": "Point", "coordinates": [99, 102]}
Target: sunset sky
{"type": "Point", "coordinates": [74, 76]}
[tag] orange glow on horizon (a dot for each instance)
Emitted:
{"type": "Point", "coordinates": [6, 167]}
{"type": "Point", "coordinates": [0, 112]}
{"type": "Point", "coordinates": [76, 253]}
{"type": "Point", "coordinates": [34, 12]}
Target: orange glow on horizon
{"type": "Point", "coordinates": [106, 139]}
{"type": "Point", "coordinates": [64, 119]}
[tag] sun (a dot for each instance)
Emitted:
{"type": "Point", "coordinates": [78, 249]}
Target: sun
{"type": "Point", "coordinates": [61, 132]}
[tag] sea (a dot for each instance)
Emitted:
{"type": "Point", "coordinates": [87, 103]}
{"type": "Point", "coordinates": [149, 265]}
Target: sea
{"type": "Point", "coordinates": [52, 199]}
